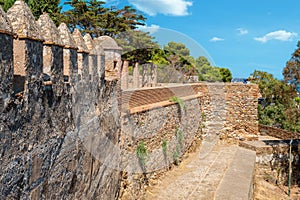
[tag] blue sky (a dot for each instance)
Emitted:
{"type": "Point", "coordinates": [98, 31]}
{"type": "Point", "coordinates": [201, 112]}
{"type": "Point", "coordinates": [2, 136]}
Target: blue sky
{"type": "Point", "coordinates": [241, 35]}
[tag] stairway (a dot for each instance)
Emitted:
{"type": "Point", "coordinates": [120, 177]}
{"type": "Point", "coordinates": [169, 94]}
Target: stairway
{"type": "Point", "coordinates": [216, 112]}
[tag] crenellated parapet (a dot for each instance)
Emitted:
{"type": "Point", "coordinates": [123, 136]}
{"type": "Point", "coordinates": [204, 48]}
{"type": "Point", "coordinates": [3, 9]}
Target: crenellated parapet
{"type": "Point", "coordinates": [38, 51]}
{"type": "Point", "coordinates": [92, 65]}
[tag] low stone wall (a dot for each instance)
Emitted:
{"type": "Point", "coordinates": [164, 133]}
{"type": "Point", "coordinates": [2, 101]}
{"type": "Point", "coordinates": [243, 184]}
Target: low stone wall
{"type": "Point", "coordinates": [272, 162]}
{"type": "Point", "coordinates": [278, 133]}
{"type": "Point", "coordinates": [238, 102]}
{"type": "Point", "coordinates": [166, 133]}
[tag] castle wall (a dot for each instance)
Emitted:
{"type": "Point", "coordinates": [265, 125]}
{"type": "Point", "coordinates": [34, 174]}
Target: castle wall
{"type": "Point", "coordinates": [50, 129]}
{"type": "Point", "coordinates": [68, 132]}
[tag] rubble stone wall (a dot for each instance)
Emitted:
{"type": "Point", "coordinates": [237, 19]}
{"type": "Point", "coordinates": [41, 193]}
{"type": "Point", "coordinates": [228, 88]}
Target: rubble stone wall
{"type": "Point", "coordinates": [278, 133]}
{"type": "Point", "coordinates": [272, 162]}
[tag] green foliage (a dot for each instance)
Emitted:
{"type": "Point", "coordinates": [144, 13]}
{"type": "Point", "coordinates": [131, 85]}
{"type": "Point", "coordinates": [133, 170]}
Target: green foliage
{"type": "Point", "coordinates": [176, 156]}
{"type": "Point", "coordinates": [291, 72]}
{"type": "Point", "coordinates": [38, 7]}
{"type": "Point", "coordinates": [179, 101]}
{"type": "Point", "coordinates": [142, 152]}
{"type": "Point", "coordinates": [206, 72]}
{"type": "Point", "coordinates": [138, 46]}
{"type": "Point", "coordinates": [6, 4]}
{"type": "Point", "coordinates": [177, 48]}
{"type": "Point", "coordinates": [278, 108]}
{"type": "Point", "coordinates": [94, 18]}
{"type": "Point", "coordinates": [297, 99]}
{"type": "Point", "coordinates": [179, 135]}
{"type": "Point", "coordinates": [203, 116]}
{"type": "Point", "coordinates": [226, 74]}
{"type": "Point", "coordinates": [178, 56]}
{"type": "Point", "coordinates": [164, 146]}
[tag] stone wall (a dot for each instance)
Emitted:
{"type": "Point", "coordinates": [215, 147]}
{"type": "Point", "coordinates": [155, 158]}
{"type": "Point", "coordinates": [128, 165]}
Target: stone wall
{"type": "Point", "coordinates": [272, 162]}
{"type": "Point", "coordinates": [53, 120]}
{"type": "Point", "coordinates": [241, 111]}
{"type": "Point", "coordinates": [278, 133]}
{"type": "Point", "coordinates": [167, 132]}
{"type": "Point", "coordinates": [67, 131]}
{"type": "Point", "coordinates": [153, 118]}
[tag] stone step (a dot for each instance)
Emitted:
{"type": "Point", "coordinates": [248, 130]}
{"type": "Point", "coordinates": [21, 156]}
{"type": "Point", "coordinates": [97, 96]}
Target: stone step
{"type": "Point", "coordinates": [237, 183]}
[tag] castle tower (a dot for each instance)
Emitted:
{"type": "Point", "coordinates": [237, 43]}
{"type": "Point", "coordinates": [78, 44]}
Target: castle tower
{"type": "Point", "coordinates": [112, 56]}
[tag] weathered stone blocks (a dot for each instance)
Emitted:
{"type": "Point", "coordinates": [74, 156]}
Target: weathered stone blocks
{"type": "Point", "coordinates": [6, 60]}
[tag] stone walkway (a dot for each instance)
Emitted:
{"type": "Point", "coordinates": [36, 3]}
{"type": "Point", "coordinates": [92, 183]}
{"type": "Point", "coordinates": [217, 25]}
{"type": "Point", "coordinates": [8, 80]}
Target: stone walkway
{"type": "Point", "coordinates": [203, 174]}
{"type": "Point", "coordinates": [215, 171]}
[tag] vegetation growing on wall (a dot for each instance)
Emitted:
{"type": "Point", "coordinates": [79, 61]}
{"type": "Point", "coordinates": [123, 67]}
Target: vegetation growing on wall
{"type": "Point", "coordinates": [164, 146]}
{"type": "Point", "coordinates": [179, 101]}
{"type": "Point", "coordinates": [142, 153]}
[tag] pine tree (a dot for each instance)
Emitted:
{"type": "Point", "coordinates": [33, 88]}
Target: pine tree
{"type": "Point", "coordinates": [94, 18]}
{"type": "Point", "coordinates": [38, 7]}
{"type": "Point", "coordinates": [6, 4]}
{"type": "Point", "coordinates": [291, 72]}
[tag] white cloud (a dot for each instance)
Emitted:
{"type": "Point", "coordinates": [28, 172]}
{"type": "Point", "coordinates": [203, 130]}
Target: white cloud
{"type": "Point", "coordinates": [281, 35]}
{"type": "Point", "coordinates": [166, 7]}
{"type": "Point", "coordinates": [242, 31]}
{"type": "Point", "coordinates": [216, 39]}
{"type": "Point", "coordinates": [151, 29]}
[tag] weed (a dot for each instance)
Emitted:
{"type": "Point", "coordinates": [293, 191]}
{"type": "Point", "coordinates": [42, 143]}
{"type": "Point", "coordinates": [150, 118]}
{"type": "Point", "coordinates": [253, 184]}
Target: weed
{"type": "Point", "coordinates": [203, 115]}
{"type": "Point", "coordinates": [179, 101]}
{"type": "Point", "coordinates": [142, 152]}
{"type": "Point", "coordinates": [164, 146]}
{"type": "Point", "coordinates": [175, 157]}
{"type": "Point", "coordinates": [179, 135]}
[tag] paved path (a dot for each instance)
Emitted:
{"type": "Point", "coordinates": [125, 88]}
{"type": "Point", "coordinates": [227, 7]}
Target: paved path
{"type": "Point", "coordinates": [203, 174]}
{"type": "Point", "coordinates": [215, 171]}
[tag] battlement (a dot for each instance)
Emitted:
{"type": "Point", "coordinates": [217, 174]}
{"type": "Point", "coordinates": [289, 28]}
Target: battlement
{"type": "Point", "coordinates": [39, 52]}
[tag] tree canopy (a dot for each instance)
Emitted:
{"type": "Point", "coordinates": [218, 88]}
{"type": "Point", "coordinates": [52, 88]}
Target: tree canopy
{"type": "Point", "coordinates": [94, 18]}
{"type": "Point", "coordinates": [6, 4]}
{"type": "Point", "coordinates": [38, 7]}
{"type": "Point", "coordinates": [206, 72]}
{"type": "Point", "coordinates": [138, 46]}
{"type": "Point", "coordinates": [279, 106]}
{"type": "Point", "coordinates": [291, 72]}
